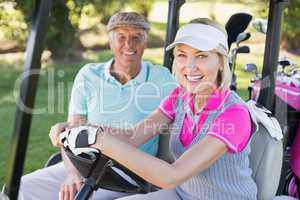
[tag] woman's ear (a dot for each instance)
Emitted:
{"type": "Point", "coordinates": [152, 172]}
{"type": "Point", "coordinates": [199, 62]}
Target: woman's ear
{"type": "Point", "coordinates": [221, 62]}
{"type": "Point", "coordinates": [173, 51]}
{"type": "Point", "coordinates": [174, 68]}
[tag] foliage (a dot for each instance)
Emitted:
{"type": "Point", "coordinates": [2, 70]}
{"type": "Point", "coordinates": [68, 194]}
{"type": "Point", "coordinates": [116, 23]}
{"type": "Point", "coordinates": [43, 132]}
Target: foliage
{"type": "Point", "coordinates": [291, 26]}
{"type": "Point", "coordinates": [61, 35]}
{"type": "Point", "coordinates": [61, 32]}
{"type": "Point", "coordinates": [143, 7]}
{"type": "Point", "coordinates": [12, 24]}
{"type": "Point", "coordinates": [106, 8]}
{"type": "Point", "coordinates": [67, 17]}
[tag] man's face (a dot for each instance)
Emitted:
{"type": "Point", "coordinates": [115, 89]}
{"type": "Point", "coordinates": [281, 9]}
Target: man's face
{"type": "Point", "coordinates": [128, 44]}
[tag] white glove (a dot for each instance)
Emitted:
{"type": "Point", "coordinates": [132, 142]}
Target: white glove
{"type": "Point", "coordinates": [263, 116]}
{"type": "Point", "coordinates": [79, 139]}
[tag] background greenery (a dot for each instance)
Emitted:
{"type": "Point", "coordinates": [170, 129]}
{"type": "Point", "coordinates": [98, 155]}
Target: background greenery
{"type": "Point", "coordinates": [77, 17]}
{"type": "Point", "coordinates": [76, 36]}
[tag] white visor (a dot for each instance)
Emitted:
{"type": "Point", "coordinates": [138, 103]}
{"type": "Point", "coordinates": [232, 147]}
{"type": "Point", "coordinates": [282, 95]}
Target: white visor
{"type": "Point", "coordinates": [202, 37]}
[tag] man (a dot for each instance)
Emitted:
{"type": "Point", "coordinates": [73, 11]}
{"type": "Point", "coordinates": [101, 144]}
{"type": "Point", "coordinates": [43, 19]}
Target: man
{"type": "Point", "coordinates": [118, 93]}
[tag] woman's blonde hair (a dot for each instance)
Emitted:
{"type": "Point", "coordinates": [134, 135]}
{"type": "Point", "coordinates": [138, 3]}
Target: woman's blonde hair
{"type": "Point", "coordinates": [224, 75]}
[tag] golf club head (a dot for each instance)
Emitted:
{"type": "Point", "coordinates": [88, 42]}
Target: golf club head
{"type": "Point", "coordinates": [242, 37]}
{"type": "Point", "coordinates": [243, 49]}
{"type": "Point", "coordinates": [296, 74]}
{"type": "Point", "coordinates": [284, 61]}
{"type": "Point", "coordinates": [237, 24]}
{"type": "Point", "coordinates": [261, 25]}
{"type": "Point", "coordinates": [250, 67]}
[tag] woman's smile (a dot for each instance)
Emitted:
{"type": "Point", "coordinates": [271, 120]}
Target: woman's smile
{"type": "Point", "coordinates": [194, 78]}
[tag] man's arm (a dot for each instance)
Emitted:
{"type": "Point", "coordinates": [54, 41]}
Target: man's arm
{"type": "Point", "coordinates": [73, 120]}
{"type": "Point", "coordinates": [73, 180]}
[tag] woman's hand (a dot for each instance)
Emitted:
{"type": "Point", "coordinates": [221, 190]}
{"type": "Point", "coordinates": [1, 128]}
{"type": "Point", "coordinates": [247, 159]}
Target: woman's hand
{"type": "Point", "coordinates": [79, 139]}
{"type": "Point", "coordinates": [56, 130]}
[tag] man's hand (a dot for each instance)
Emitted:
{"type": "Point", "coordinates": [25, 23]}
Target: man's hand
{"type": "Point", "coordinates": [56, 131]}
{"type": "Point", "coordinates": [70, 187]}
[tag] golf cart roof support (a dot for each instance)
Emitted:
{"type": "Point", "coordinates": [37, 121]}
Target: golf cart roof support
{"type": "Point", "coordinates": [266, 97]}
{"type": "Point", "coordinates": [25, 103]}
{"type": "Point", "coordinates": [172, 27]}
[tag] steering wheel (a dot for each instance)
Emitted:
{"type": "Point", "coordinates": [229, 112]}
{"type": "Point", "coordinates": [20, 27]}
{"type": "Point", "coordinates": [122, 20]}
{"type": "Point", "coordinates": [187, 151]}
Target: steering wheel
{"type": "Point", "coordinates": [103, 172]}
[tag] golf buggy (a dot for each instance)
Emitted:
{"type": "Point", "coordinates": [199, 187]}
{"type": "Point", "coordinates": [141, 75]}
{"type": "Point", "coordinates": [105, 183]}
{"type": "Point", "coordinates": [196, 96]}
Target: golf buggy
{"type": "Point", "coordinates": [101, 171]}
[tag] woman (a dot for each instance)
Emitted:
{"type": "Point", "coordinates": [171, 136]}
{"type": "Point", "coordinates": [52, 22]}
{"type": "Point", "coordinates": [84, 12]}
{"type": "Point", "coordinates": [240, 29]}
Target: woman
{"type": "Point", "coordinates": [210, 127]}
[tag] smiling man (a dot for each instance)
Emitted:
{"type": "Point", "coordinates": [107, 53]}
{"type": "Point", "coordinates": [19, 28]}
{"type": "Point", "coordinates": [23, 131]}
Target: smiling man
{"type": "Point", "coordinates": [117, 93]}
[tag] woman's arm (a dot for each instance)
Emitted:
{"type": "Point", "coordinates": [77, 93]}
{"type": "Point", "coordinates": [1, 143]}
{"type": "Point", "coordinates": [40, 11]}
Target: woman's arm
{"type": "Point", "coordinates": [156, 123]}
{"type": "Point", "coordinates": [159, 172]}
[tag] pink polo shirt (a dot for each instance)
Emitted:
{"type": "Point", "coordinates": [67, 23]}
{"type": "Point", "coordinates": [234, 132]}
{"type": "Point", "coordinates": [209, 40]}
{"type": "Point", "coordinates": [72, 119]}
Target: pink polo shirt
{"type": "Point", "coordinates": [232, 126]}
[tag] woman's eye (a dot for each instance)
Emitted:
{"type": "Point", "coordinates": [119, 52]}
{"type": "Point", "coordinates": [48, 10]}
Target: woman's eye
{"type": "Point", "coordinates": [202, 56]}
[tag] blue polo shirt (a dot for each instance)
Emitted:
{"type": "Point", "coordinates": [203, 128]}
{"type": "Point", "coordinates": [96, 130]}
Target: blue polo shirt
{"type": "Point", "coordinates": [105, 101]}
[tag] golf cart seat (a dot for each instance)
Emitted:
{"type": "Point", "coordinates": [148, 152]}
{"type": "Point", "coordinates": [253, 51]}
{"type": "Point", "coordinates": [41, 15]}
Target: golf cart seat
{"type": "Point", "coordinates": [266, 159]}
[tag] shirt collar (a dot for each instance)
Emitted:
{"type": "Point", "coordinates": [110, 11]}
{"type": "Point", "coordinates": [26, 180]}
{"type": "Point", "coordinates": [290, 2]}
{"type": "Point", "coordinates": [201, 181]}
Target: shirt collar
{"type": "Point", "coordinates": [215, 101]}
{"type": "Point", "coordinates": [107, 66]}
{"type": "Point", "coordinates": [142, 75]}
{"type": "Point", "coordinates": [140, 78]}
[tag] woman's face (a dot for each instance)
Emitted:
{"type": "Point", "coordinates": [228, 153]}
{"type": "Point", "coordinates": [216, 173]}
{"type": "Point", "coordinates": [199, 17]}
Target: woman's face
{"type": "Point", "coordinates": [196, 70]}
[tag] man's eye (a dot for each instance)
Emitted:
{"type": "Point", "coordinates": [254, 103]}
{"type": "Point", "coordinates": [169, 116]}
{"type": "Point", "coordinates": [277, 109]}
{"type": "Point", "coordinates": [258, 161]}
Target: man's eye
{"type": "Point", "coordinates": [180, 55]}
{"type": "Point", "coordinates": [121, 37]}
{"type": "Point", "coordinates": [137, 39]}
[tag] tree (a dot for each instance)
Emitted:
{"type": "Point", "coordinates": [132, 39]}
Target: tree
{"type": "Point", "coordinates": [291, 27]}
{"type": "Point", "coordinates": [12, 27]}
{"type": "Point", "coordinates": [142, 6]}
{"type": "Point", "coordinates": [63, 34]}
{"type": "Point", "coordinates": [290, 24]}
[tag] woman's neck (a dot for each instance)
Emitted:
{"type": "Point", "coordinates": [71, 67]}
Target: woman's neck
{"type": "Point", "coordinates": [200, 101]}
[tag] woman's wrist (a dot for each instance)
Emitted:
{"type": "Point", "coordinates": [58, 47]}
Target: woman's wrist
{"type": "Point", "coordinates": [100, 136]}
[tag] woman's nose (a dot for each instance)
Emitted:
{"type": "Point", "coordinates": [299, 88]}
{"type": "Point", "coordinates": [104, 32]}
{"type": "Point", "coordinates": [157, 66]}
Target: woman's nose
{"type": "Point", "coordinates": [191, 64]}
